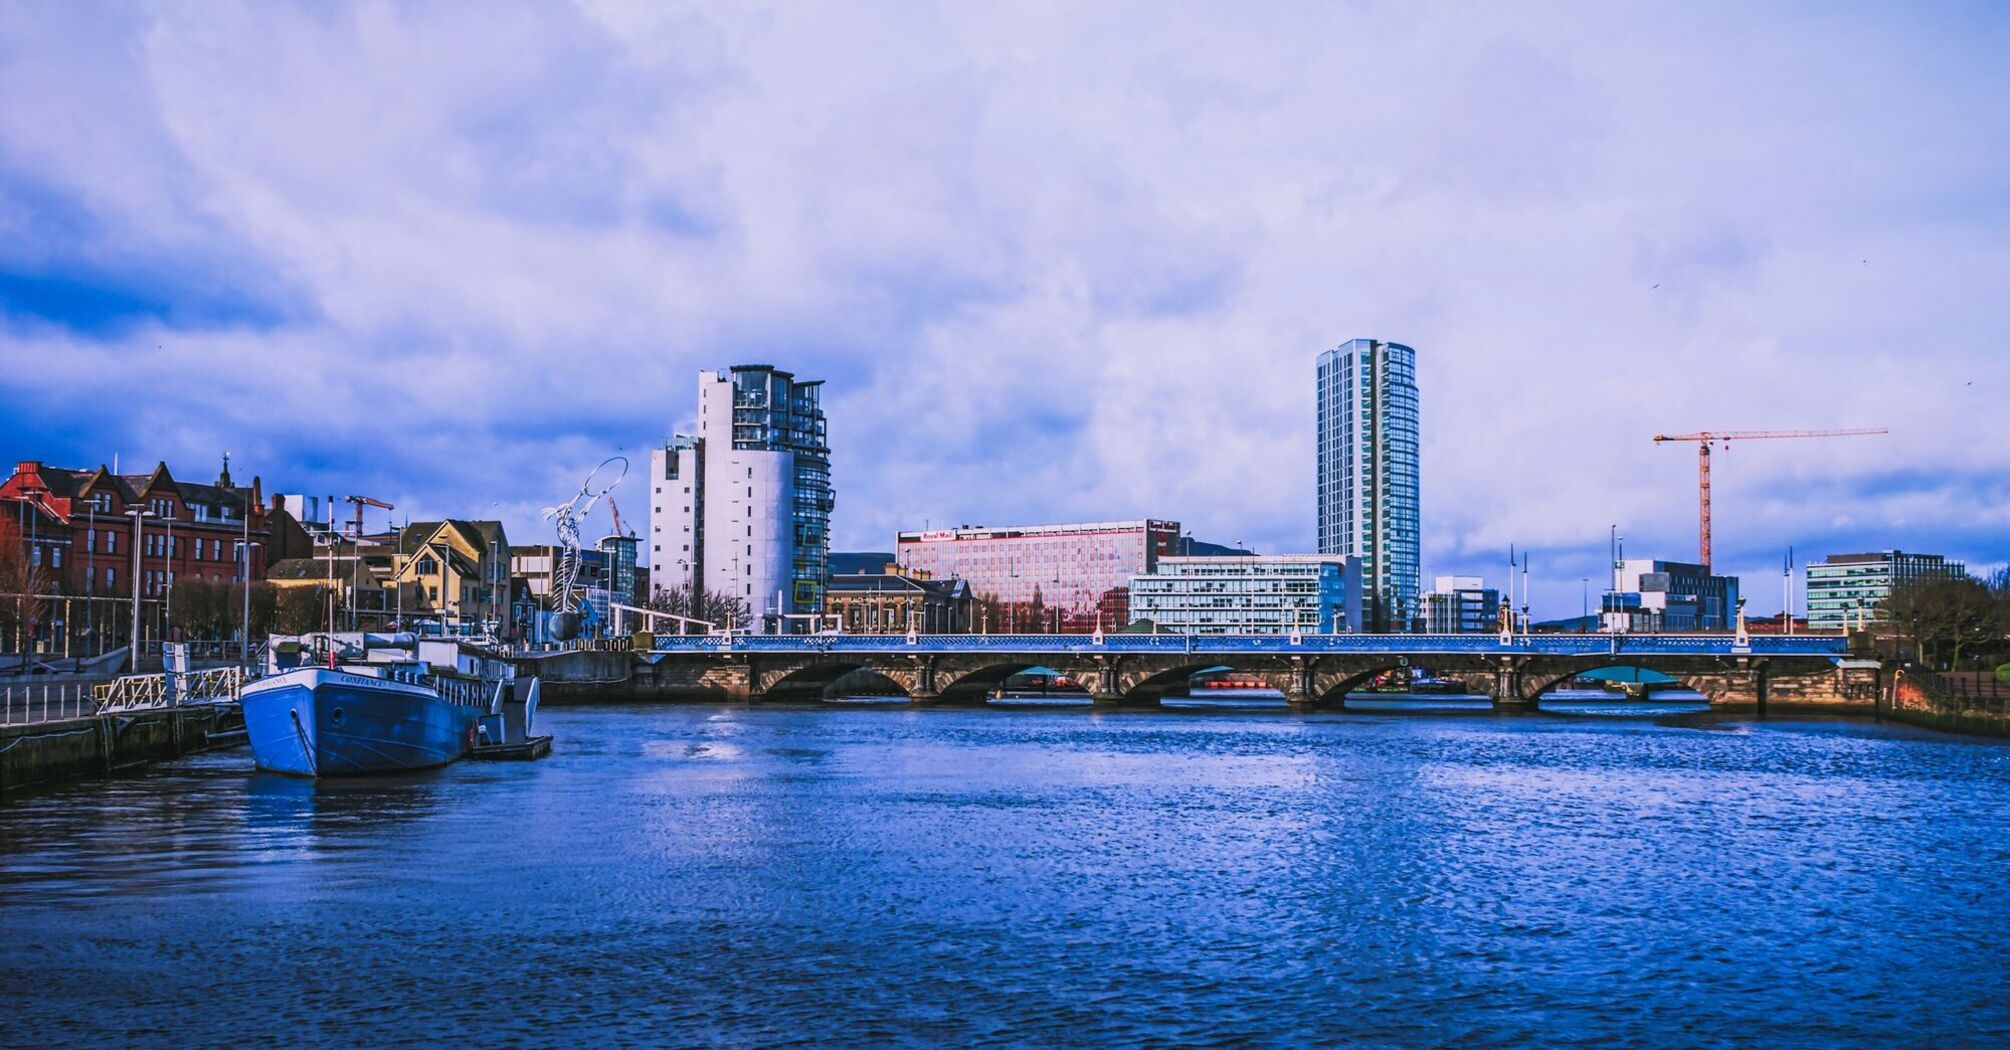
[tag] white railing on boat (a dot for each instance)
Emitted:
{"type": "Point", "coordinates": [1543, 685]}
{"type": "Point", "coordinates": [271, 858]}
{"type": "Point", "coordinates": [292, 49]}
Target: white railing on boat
{"type": "Point", "coordinates": [472, 692]}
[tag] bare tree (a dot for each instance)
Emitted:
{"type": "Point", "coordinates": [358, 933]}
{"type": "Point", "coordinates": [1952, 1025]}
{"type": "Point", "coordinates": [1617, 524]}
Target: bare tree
{"type": "Point", "coordinates": [301, 609]}
{"type": "Point", "coordinates": [203, 609]}
{"type": "Point", "coordinates": [22, 605]}
{"type": "Point", "coordinates": [720, 610]}
{"type": "Point", "coordinates": [1944, 617]}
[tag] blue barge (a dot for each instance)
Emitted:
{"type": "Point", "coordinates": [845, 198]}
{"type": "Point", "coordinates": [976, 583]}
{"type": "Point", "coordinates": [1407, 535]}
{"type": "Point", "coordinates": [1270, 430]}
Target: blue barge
{"type": "Point", "coordinates": [346, 710]}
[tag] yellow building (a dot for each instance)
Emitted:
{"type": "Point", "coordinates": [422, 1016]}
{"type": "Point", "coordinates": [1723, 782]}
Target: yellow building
{"type": "Point", "coordinates": [456, 571]}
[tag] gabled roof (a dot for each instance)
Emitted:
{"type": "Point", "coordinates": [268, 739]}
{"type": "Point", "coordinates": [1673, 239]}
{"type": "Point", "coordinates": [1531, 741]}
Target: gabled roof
{"type": "Point", "coordinates": [317, 569]}
{"type": "Point", "coordinates": [476, 534]}
{"type": "Point", "coordinates": [213, 496]}
{"type": "Point", "coordinates": [64, 488]}
{"type": "Point", "coordinates": [299, 569]}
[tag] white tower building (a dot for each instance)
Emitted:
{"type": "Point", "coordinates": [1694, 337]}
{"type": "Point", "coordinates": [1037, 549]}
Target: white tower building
{"type": "Point", "coordinates": [743, 507]}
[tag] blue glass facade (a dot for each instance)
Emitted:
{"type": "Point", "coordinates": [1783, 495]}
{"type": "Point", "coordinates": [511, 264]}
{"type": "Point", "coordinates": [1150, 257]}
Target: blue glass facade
{"type": "Point", "coordinates": [773, 411]}
{"type": "Point", "coordinates": [1368, 486]}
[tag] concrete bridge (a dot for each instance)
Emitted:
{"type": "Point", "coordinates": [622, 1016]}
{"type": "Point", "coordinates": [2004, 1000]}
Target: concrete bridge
{"type": "Point", "coordinates": [1310, 671]}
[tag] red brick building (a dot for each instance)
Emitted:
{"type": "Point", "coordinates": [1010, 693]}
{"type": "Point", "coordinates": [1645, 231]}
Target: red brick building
{"type": "Point", "coordinates": [76, 534]}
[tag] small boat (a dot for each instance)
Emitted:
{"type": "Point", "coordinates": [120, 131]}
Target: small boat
{"type": "Point", "coordinates": [359, 703]}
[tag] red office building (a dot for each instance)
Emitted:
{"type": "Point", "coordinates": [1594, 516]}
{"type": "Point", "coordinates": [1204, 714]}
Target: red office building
{"type": "Point", "coordinates": [71, 542]}
{"type": "Point", "coordinates": [1043, 579]}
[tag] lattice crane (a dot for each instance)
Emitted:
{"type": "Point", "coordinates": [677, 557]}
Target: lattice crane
{"type": "Point", "coordinates": [1707, 438]}
{"type": "Point", "coordinates": [361, 502]}
{"type": "Point", "coordinates": [619, 529]}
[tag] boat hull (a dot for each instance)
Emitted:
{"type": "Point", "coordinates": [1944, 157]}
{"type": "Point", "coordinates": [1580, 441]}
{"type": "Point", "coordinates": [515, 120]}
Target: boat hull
{"type": "Point", "coordinates": [318, 723]}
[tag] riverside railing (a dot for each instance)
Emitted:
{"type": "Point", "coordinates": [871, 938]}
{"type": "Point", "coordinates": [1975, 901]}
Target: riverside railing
{"type": "Point", "coordinates": [1623, 645]}
{"type": "Point", "coordinates": [46, 702]}
{"type": "Point", "coordinates": [1960, 696]}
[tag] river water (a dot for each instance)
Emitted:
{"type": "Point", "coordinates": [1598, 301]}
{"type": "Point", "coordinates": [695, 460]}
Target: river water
{"type": "Point", "coordinates": [678, 875]}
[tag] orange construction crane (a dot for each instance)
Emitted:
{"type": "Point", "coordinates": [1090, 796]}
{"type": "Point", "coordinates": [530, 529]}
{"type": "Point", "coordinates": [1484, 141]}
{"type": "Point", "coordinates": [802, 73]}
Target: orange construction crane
{"type": "Point", "coordinates": [619, 529]}
{"type": "Point", "coordinates": [360, 502]}
{"type": "Point", "coordinates": [1707, 438]}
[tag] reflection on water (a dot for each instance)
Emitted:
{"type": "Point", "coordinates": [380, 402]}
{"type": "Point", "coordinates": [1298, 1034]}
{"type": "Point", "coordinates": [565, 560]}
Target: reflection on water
{"type": "Point", "coordinates": [1420, 703]}
{"type": "Point", "coordinates": [874, 876]}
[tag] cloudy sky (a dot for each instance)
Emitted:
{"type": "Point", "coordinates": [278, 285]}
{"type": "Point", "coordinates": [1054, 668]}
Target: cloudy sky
{"type": "Point", "coordinates": [1057, 262]}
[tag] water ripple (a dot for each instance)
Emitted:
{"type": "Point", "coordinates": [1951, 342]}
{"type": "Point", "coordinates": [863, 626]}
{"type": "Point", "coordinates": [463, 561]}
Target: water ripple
{"type": "Point", "coordinates": [891, 877]}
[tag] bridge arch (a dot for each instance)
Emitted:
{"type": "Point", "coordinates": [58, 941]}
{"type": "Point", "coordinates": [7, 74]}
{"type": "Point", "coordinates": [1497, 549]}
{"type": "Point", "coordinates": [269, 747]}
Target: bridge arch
{"type": "Point", "coordinates": [1538, 685]}
{"type": "Point", "coordinates": [1149, 686]}
{"type": "Point", "coordinates": [973, 683]}
{"type": "Point", "coordinates": [814, 681]}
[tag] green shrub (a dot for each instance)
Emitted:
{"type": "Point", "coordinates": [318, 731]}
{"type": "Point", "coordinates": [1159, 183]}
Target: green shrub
{"type": "Point", "coordinates": [2003, 673]}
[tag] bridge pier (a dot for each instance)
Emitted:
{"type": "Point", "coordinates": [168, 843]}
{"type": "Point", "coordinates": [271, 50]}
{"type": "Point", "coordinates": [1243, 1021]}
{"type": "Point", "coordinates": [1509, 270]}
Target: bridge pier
{"type": "Point", "coordinates": [1506, 692]}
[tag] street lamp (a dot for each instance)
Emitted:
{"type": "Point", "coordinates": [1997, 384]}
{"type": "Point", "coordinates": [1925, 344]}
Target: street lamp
{"type": "Point", "coordinates": [139, 517]}
{"type": "Point", "coordinates": [244, 578]}
{"type": "Point", "coordinates": [167, 580]}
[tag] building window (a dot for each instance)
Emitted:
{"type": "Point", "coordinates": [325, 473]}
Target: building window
{"type": "Point", "coordinates": [111, 543]}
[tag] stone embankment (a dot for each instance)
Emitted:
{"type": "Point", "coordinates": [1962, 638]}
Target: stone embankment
{"type": "Point", "coordinates": [47, 752]}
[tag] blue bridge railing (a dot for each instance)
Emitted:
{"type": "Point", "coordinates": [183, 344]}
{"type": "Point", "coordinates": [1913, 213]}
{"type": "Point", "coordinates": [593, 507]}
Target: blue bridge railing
{"type": "Point", "coordinates": [1395, 644]}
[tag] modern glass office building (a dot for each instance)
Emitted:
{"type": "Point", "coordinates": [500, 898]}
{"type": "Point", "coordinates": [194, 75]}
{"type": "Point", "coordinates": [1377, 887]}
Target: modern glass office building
{"type": "Point", "coordinates": [1460, 605]}
{"type": "Point", "coordinates": [1273, 594]}
{"type": "Point", "coordinates": [1043, 578]}
{"type": "Point", "coordinates": [744, 507]}
{"type": "Point", "coordinates": [1368, 483]}
{"type": "Point", "coordinates": [1657, 596]}
{"type": "Point", "coordinates": [1843, 587]}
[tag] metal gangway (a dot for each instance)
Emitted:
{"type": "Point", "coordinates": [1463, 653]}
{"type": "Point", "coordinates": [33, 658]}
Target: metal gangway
{"type": "Point", "coordinates": [146, 692]}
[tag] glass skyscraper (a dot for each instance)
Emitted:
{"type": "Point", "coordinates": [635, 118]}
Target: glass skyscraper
{"type": "Point", "coordinates": [1368, 486]}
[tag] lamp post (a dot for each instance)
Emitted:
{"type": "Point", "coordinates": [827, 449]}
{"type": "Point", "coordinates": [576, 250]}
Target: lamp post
{"type": "Point", "coordinates": [139, 517]}
{"type": "Point", "coordinates": [244, 578]}
{"type": "Point", "coordinates": [167, 592]}
{"type": "Point", "coordinates": [1617, 553]}
{"type": "Point", "coordinates": [90, 568]}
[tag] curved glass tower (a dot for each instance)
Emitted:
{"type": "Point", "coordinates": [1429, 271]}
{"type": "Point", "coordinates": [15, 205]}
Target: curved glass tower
{"type": "Point", "coordinates": [743, 508]}
{"type": "Point", "coordinates": [1368, 489]}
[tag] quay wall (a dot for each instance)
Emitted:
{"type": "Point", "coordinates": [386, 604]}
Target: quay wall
{"type": "Point", "coordinates": [581, 676]}
{"type": "Point", "coordinates": [44, 753]}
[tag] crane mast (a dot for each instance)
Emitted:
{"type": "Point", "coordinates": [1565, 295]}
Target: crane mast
{"type": "Point", "coordinates": [1706, 438]}
{"type": "Point", "coordinates": [615, 512]}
